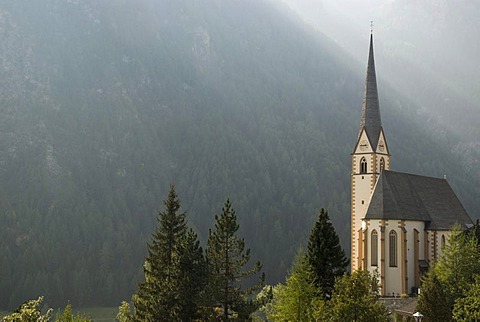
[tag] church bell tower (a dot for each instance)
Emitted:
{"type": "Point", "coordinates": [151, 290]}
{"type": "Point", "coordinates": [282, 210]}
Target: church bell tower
{"type": "Point", "coordinates": [370, 156]}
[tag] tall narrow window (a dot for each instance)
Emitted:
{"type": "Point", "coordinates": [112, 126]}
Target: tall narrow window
{"type": "Point", "coordinates": [363, 165]}
{"type": "Point", "coordinates": [374, 248]}
{"type": "Point", "coordinates": [393, 248]}
{"type": "Point", "coordinates": [443, 242]}
{"type": "Point", "coordinates": [382, 164]}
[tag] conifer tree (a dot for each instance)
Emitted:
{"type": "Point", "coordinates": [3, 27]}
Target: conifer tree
{"type": "Point", "coordinates": [325, 255]}
{"type": "Point", "coordinates": [174, 269]}
{"type": "Point", "coordinates": [226, 257]}
{"type": "Point", "coordinates": [193, 275]}
{"type": "Point", "coordinates": [432, 302]}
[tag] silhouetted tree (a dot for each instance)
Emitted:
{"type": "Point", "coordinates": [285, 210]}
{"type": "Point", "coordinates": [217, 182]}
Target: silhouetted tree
{"type": "Point", "coordinates": [325, 255]}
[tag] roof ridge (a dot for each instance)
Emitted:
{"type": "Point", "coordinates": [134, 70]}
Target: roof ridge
{"type": "Point", "coordinates": [414, 175]}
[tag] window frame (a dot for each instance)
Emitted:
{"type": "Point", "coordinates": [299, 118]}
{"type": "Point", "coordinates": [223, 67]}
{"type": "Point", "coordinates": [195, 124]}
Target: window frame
{"type": "Point", "coordinates": [363, 165]}
{"type": "Point", "coordinates": [374, 248]}
{"type": "Point", "coordinates": [392, 248]}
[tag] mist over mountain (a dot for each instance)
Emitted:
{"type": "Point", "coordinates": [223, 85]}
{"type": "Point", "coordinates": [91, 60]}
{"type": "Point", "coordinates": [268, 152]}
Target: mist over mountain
{"type": "Point", "coordinates": [105, 103]}
{"type": "Point", "coordinates": [426, 49]}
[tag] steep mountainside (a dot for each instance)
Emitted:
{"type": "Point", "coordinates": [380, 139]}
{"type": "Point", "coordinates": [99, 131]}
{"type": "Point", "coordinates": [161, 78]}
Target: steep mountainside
{"type": "Point", "coordinates": [427, 49]}
{"type": "Point", "coordinates": [104, 103]}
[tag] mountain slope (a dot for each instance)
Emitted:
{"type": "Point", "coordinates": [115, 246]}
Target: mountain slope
{"type": "Point", "coordinates": [426, 49]}
{"type": "Point", "coordinates": [105, 103]}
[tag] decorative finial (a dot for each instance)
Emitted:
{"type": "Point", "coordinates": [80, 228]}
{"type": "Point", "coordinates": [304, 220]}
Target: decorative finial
{"type": "Point", "coordinates": [371, 27]}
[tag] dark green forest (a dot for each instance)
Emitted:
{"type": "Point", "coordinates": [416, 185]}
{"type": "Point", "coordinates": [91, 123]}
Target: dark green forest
{"type": "Point", "coordinates": [104, 104]}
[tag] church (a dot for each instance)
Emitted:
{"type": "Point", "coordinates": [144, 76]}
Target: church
{"type": "Point", "coordinates": [399, 221]}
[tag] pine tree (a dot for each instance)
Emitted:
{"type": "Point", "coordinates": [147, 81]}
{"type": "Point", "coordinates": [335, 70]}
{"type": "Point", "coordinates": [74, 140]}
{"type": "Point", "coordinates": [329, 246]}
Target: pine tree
{"type": "Point", "coordinates": [226, 257]}
{"type": "Point", "coordinates": [325, 255]}
{"type": "Point", "coordinates": [174, 269]}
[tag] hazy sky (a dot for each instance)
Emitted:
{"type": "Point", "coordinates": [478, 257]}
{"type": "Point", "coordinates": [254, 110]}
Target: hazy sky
{"type": "Point", "coordinates": [428, 48]}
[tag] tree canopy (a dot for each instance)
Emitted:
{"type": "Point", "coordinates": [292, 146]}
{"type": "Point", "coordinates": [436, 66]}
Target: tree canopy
{"type": "Point", "coordinates": [29, 312]}
{"type": "Point", "coordinates": [459, 264]}
{"type": "Point", "coordinates": [432, 302]}
{"type": "Point", "coordinates": [355, 298]}
{"type": "Point", "coordinates": [467, 308]}
{"type": "Point", "coordinates": [293, 301]}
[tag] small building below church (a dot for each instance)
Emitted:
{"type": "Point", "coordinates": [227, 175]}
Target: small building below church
{"type": "Point", "coordinates": [399, 221]}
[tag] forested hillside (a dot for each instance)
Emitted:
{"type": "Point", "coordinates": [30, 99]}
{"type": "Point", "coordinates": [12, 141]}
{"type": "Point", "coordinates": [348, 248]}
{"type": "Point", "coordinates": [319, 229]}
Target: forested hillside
{"type": "Point", "coordinates": [426, 49]}
{"type": "Point", "coordinates": [103, 104]}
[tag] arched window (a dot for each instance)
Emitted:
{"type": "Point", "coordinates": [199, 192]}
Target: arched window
{"type": "Point", "coordinates": [443, 241]}
{"type": "Point", "coordinates": [374, 248]}
{"type": "Point", "coordinates": [363, 165]}
{"type": "Point", "coordinates": [392, 238]}
{"type": "Point", "coordinates": [382, 164]}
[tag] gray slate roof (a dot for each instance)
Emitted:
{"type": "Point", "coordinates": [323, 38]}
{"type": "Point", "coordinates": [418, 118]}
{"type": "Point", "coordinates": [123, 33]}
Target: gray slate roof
{"type": "Point", "coordinates": [412, 197]}
{"type": "Point", "coordinates": [370, 118]}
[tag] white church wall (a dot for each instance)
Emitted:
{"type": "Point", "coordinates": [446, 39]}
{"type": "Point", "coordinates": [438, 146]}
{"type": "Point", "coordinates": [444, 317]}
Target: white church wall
{"type": "Point", "coordinates": [411, 226]}
{"type": "Point", "coordinates": [394, 277]}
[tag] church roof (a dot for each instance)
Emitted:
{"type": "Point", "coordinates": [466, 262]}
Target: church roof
{"type": "Point", "coordinates": [370, 119]}
{"type": "Point", "coordinates": [406, 196]}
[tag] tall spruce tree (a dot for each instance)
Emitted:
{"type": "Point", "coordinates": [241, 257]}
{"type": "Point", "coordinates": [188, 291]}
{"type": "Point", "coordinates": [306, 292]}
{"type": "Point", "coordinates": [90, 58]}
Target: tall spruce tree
{"type": "Point", "coordinates": [175, 269]}
{"type": "Point", "coordinates": [226, 257]}
{"type": "Point", "coordinates": [325, 255]}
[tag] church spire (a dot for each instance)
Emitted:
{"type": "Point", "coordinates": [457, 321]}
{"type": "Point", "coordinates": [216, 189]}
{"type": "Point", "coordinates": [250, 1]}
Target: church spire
{"type": "Point", "coordinates": [370, 119]}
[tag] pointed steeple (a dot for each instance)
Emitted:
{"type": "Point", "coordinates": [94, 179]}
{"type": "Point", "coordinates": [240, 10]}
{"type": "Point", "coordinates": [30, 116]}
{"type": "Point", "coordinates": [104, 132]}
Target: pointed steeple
{"type": "Point", "coordinates": [370, 119]}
